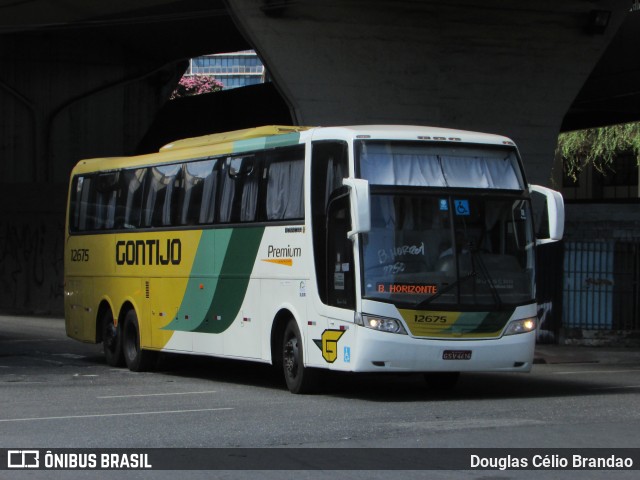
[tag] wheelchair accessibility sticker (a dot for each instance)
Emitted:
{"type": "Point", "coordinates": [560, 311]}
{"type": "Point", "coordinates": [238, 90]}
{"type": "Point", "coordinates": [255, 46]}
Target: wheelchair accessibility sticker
{"type": "Point", "coordinates": [347, 354]}
{"type": "Point", "coordinates": [462, 207]}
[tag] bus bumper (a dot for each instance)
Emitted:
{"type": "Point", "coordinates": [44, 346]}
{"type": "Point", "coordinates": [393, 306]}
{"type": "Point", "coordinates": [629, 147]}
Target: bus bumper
{"type": "Point", "coordinates": [387, 352]}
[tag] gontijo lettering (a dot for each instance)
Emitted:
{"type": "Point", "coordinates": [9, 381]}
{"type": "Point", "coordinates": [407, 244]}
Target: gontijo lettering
{"type": "Point", "coordinates": [149, 252]}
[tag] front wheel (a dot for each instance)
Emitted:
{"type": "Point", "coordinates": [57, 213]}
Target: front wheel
{"type": "Point", "coordinates": [137, 359]}
{"type": "Point", "coordinates": [300, 379]}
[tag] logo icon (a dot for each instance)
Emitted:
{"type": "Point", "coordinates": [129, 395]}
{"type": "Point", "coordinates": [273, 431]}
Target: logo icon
{"type": "Point", "coordinates": [23, 459]}
{"type": "Point", "coordinates": [328, 344]}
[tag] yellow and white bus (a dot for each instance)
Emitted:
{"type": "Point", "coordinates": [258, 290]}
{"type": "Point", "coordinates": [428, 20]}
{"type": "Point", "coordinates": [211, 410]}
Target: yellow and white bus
{"type": "Point", "coordinates": [360, 249]}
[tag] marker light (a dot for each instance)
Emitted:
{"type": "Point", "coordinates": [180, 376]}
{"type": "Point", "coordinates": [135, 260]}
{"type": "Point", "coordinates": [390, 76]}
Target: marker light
{"type": "Point", "coordinates": [524, 325]}
{"type": "Point", "coordinates": [382, 324]}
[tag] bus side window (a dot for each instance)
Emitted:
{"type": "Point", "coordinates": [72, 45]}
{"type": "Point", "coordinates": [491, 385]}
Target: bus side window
{"type": "Point", "coordinates": [93, 202]}
{"type": "Point", "coordinates": [340, 266]}
{"type": "Point", "coordinates": [285, 184]}
{"type": "Point", "coordinates": [129, 208]}
{"type": "Point", "coordinates": [198, 196]}
{"type": "Point", "coordinates": [239, 189]}
{"type": "Point", "coordinates": [90, 208]}
{"type": "Point", "coordinates": [329, 165]}
{"type": "Point", "coordinates": [74, 206]}
{"type": "Point", "coordinates": [106, 196]}
{"type": "Point", "coordinates": [160, 200]}
{"type": "Point", "coordinates": [83, 206]}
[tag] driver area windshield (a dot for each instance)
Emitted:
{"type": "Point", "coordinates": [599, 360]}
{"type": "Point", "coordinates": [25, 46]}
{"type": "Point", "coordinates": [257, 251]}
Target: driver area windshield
{"type": "Point", "coordinates": [433, 247]}
{"type": "Point", "coordinates": [448, 251]}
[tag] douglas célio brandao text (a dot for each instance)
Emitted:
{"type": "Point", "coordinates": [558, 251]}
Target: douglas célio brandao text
{"type": "Point", "coordinates": [549, 461]}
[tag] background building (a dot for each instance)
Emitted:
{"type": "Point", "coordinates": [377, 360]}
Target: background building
{"type": "Point", "coordinates": [601, 258]}
{"type": "Point", "coordinates": [236, 69]}
{"type": "Point", "coordinates": [619, 183]}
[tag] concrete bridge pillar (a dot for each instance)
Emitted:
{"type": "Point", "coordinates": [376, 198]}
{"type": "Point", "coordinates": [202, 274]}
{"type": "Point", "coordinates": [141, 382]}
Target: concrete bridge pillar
{"type": "Point", "coordinates": [497, 66]}
{"type": "Point", "coordinates": [59, 106]}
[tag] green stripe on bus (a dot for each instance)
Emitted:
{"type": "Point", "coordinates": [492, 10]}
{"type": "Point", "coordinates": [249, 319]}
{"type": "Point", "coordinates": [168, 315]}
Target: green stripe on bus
{"type": "Point", "coordinates": [263, 143]}
{"type": "Point", "coordinates": [249, 145]}
{"type": "Point", "coordinates": [212, 302]}
{"type": "Point", "coordinates": [480, 322]}
{"type": "Point", "coordinates": [234, 279]}
{"type": "Point", "coordinates": [283, 140]}
{"type": "Point", "coordinates": [209, 257]}
{"type": "Point", "coordinates": [494, 321]}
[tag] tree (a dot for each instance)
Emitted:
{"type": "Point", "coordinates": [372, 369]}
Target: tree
{"type": "Point", "coordinates": [597, 147]}
{"type": "Point", "coordinates": [196, 85]}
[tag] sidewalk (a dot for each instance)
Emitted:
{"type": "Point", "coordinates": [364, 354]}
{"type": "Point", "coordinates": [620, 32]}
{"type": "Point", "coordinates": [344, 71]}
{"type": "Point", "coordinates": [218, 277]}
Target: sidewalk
{"type": "Point", "coordinates": [551, 354]}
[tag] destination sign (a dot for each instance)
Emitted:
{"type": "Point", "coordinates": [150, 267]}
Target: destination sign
{"type": "Point", "coordinates": [408, 288]}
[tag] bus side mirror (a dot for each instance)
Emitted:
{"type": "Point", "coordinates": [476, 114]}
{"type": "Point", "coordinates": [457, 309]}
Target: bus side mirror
{"type": "Point", "coordinates": [360, 206]}
{"type": "Point", "coordinates": [555, 213]}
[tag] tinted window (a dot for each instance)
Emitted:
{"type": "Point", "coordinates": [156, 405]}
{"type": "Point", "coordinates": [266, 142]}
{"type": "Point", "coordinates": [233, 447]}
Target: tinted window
{"type": "Point", "coordinates": [252, 187]}
{"type": "Point", "coordinates": [285, 184]}
{"type": "Point", "coordinates": [198, 202]}
{"type": "Point", "coordinates": [129, 209]}
{"type": "Point", "coordinates": [239, 189]}
{"type": "Point", "coordinates": [161, 196]}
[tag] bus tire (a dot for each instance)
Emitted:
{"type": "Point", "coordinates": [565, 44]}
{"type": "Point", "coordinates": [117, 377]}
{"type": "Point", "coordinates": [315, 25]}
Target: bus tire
{"type": "Point", "coordinates": [136, 358]}
{"type": "Point", "coordinates": [300, 379]}
{"type": "Point", "coordinates": [442, 381]}
{"type": "Point", "coordinates": [111, 340]}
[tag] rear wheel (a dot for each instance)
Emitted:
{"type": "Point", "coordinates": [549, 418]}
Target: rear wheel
{"type": "Point", "coordinates": [300, 379]}
{"type": "Point", "coordinates": [111, 340]}
{"type": "Point", "coordinates": [137, 359]}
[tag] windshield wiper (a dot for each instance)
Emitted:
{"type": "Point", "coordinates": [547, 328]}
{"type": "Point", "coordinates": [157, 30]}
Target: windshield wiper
{"type": "Point", "coordinates": [475, 256]}
{"type": "Point", "coordinates": [485, 273]}
{"type": "Point", "coordinates": [444, 290]}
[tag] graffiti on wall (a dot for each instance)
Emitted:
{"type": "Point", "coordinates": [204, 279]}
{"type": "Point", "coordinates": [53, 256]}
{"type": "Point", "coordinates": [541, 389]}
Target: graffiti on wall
{"type": "Point", "coordinates": [546, 331]}
{"type": "Point", "coordinates": [31, 263]}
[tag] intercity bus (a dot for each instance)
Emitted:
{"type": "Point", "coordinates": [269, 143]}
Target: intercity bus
{"type": "Point", "coordinates": [355, 249]}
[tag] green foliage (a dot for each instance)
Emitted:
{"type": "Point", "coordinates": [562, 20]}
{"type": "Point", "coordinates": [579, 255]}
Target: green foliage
{"type": "Point", "coordinates": [597, 147]}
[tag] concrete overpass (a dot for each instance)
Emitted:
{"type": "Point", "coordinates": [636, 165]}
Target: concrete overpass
{"type": "Point", "coordinates": [83, 78]}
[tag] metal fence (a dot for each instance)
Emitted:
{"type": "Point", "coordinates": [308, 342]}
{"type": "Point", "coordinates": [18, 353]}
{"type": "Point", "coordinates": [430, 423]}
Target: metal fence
{"type": "Point", "coordinates": [601, 285]}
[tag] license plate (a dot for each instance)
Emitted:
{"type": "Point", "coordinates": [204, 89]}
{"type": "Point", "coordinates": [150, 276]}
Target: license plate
{"type": "Point", "coordinates": [456, 355]}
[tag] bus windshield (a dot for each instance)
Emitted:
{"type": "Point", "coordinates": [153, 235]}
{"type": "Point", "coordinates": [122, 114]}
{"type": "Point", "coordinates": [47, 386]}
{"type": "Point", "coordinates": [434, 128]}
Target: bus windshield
{"type": "Point", "coordinates": [439, 247]}
{"type": "Point", "coordinates": [449, 251]}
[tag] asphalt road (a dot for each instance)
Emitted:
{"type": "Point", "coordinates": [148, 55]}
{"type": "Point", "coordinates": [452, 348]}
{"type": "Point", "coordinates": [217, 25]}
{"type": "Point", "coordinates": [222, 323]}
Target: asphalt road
{"type": "Point", "coordinates": [58, 393]}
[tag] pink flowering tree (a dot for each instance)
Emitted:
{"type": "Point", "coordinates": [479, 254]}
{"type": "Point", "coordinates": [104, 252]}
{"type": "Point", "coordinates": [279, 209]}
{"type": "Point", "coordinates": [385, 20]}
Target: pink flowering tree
{"type": "Point", "coordinates": [196, 85]}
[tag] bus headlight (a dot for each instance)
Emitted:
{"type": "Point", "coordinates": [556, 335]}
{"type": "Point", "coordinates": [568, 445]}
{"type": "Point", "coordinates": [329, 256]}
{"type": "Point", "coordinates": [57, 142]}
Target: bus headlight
{"type": "Point", "coordinates": [521, 326]}
{"type": "Point", "coordinates": [383, 324]}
